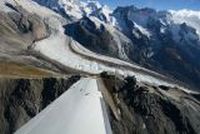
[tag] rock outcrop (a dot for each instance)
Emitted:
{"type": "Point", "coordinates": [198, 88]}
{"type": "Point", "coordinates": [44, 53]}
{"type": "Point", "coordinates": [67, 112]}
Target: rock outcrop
{"type": "Point", "coordinates": [147, 109]}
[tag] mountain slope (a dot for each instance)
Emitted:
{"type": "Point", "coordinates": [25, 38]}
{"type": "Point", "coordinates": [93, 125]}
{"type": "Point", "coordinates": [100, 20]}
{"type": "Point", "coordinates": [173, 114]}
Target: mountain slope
{"type": "Point", "coordinates": [188, 16]}
{"type": "Point", "coordinates": [147, 109]}
{"type": "Point", "coordinates": [168, 47]}
{"type": "Point", "coordinates": [114, 42]}
{"type": "Point", "coordinates": [144, 36]}
{"type": "Point", "coordinates": [47, 37]}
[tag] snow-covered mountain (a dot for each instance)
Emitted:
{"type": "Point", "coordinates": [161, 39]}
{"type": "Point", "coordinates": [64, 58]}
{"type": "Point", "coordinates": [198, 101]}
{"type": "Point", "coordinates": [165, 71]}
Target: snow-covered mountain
{"type": "Point", "coordinates": [133, 20]}
{"type": "Point", "coordinates": [149, 22]}
{"type": "Point", "coordinates": [189, 17]}
{"type": "Point", "coordinates": [146, 37]}
{"type": "Point", "coordinates": [144, 64]}
{"type": "Point", "coordinates": [77, 9]}
{"type": "Point", "coordinates": [172, 35]}
{"type": "Point", "coordinates": [143, 36]}
{"type": "Point", "coordinates": [139, 17]}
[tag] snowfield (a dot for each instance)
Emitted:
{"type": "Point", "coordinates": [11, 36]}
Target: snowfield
{"type": "Point", "coordinates": [80, 110]}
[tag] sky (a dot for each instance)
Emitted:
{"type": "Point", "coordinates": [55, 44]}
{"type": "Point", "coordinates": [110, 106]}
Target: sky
{"type": "Point", "coordinates": [157, 4]}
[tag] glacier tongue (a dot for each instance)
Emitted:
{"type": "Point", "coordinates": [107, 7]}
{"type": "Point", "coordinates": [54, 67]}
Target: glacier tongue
{"type": "Point", "coordinates": [80, 110]}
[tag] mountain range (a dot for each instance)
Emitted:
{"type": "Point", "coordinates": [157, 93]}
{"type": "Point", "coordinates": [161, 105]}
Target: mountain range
{"type": "Point", "coordinates": [137, 68]}
{"type": "Point", "coordinates": [164, 41]}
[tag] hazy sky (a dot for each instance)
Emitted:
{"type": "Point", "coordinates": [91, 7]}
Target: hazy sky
{"type": "Point", "coordinates": [157, 4]}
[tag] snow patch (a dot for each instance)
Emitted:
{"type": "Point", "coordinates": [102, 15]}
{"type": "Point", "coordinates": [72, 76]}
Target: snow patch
{"type": "Point", "coordinates": [142, 30]}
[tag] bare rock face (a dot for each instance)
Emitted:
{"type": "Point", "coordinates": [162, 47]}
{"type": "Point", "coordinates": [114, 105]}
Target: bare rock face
{"type": "Point", "coordinates": [28, 22]}
{"type": "Point", "coordinates": [39, 29]}
{"type": "Point", "coordinates": [147, 109]}
{"type": "Point", "coordinates": [99, 39]}
{"type": "Point", "coordinates": [21, 99]}
{"type": "Point", "coordinates": [19, 29]}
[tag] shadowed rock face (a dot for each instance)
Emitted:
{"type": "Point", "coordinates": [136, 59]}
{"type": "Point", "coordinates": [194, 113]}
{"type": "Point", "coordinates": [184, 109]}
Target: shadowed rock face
{"type": "Point", "coordinates": [98, 38]}
{"type": "Point", "coordinates": [147, 109]}
{"type": "Point", "coordinates": [21, 99]}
